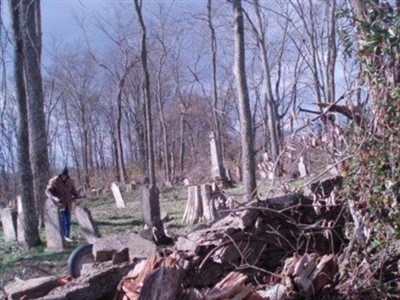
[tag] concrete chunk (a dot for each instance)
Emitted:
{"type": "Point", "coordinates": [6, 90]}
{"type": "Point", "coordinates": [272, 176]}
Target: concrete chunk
{"type": "Point", "coordinates": [32, 288]}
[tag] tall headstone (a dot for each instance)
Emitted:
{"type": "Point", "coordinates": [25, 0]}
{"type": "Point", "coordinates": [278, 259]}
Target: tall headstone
{"type": "Point", "coordinates": [117, 195]}
{"type": "Point", "coordinates": [9, 220]}
{"type": "Point", "coordinates": [54, 236]}
{"type": "Point", "coordinates": [302, 167]}
{"type": "Point", "coordinates": [154, 228]}
{"type": "Point", "coordinates": [20, 221]}
{"type": "Point", "coordinates": [217, 168]}
{"type": "Point", "coordinates": [87, 224]}
{"type": "Point", "coordinates": [151, 205]}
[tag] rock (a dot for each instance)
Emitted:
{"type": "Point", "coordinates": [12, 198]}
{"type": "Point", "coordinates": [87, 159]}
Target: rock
{"type": "Point", "coordinates": [120, 256]}
{"type": "Point", "coordinates": [32, 288]}
{"type": "Point", "coordinates": [100, 284]}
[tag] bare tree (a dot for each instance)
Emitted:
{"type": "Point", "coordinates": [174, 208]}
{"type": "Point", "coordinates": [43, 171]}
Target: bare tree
{"type": "Point", "coordinates": [30, 221]}
{"type": "Point", "coordinates": [150, 201]}
{"type": "Point", "coordinates": [37, 124]}
{"type": "Point", "coordinates": [248, 160]}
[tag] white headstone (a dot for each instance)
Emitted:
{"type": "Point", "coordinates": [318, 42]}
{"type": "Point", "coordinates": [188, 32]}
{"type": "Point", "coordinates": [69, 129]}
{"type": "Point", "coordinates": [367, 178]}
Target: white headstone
{"type": "Point", "coordinates": [217, 169]}
{"type": "Point", "coordinates": [117, 196]}
{"type": "Point", "coordinates": [20, 221]}
{"type": "Point", "coordinates": [302, 167]}
{"type": "Point", "coordinates": [9, 220]}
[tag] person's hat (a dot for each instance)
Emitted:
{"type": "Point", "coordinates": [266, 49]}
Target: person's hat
{"type": "Point", "coordinates": [64, 171]}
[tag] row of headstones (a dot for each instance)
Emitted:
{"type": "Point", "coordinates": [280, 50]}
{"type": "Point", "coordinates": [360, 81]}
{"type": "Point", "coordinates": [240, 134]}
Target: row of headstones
{"type": "Point", "coordinates": [13, 227]}
{"type": "Point", "coordinates": [266, 167]}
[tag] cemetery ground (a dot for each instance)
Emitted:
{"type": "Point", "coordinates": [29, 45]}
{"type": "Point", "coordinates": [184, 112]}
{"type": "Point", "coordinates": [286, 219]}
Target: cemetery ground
{"type": "Point", "coordinates": [15, 261]}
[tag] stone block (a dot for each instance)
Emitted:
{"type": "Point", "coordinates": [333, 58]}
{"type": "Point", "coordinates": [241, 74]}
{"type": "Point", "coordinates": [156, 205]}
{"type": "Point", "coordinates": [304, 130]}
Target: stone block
{"type": "Point", "coordinates": [31, 289]}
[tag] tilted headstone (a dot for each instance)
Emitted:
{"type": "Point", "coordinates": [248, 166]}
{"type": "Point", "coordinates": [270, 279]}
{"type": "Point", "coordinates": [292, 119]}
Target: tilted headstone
{"type": "Point", "coordinates": [87, 224]}
{"type": "Point", "coordinates": [20, 221]}
{"type": "Point", "coordinates": [117, 195]}
{"type": "Point", "coordinates": [9, 220]}
{"type": "Point", "coordinates": [302, 167]}
{"type": "Point", "coordinates": [54, 236]}
{"type": "Point", "coordinates": [217, 169]}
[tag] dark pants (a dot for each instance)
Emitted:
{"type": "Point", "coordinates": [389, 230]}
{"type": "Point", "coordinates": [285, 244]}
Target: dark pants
{"type": "Point", "coordinates": [65, 217]}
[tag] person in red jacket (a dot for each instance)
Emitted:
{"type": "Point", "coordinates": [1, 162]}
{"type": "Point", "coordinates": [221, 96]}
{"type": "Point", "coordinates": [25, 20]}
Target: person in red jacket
{"type": "Point", "coordinates": [61, 189]}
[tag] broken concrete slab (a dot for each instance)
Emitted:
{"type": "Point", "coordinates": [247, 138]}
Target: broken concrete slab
{"type": "Point", "coordinates": [31, 289]}
{"type": "Point", "coordinates": [104, 248]}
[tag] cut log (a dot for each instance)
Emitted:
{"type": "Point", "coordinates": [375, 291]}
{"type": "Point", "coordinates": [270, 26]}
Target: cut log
{"type": "Point", "coordinates": [155, 279]}
{"type": "Point", "coordinates": [232, 287]}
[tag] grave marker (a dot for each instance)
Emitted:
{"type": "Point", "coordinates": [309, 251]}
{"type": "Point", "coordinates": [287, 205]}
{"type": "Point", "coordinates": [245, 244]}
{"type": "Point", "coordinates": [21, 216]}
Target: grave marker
{"type": "Point", "coordinates": [217, 168]}
{"type": "Point", "coordinates": [9, 220]}
{"type": "Point", "coordinates": [87, 224]}
{"type": "Point", "coordinates": [54, 237]}
{"type": "Point", "coordinates": [117, 195]}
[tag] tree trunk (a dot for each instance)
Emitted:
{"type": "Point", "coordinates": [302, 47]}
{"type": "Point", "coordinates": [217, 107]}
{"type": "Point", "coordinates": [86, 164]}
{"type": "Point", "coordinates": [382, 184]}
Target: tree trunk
{"type": "Point", "coordinates": [163, 123]}
{"type": "Point", "coordinates": [147, 97]}
{"type": "Point", "coordinates": [248, 161]}
{"type": "Point", "coordinates": [270, 104]}
{"type": "Point", "coordinates": [120, 154]}
{"type": "Point", "coordinates": [30, 221]}
{"type": "Point", "coordinates": [37, 122]}
{"type": "Point", "coordinates": [215, 109]}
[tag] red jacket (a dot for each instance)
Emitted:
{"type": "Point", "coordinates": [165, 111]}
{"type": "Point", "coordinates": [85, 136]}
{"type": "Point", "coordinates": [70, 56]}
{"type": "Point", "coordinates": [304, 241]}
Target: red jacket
{"type": "Point", "coordinates": [63, 190]}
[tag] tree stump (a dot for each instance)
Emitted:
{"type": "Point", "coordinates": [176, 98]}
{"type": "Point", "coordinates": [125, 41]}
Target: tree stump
{"type": "Point", "coordinates": [194, 207]}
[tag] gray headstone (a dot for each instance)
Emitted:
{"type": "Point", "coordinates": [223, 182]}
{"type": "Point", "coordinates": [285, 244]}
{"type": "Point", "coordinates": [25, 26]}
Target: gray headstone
{"type": "Point", "coordinates": [9, 220]}
{"type": "Point", "coordinates": [87, 224]}
{"type": "Point", "coordinates": [54, 236]}
{"type": "Point", "coordinates": [117, 195]}
{"type": "Point", "coordinates": [20, 221]}
{"type": "Point", "coordinates": [151, 205]}
{"type": "Point", "coordinates": [217, 169]}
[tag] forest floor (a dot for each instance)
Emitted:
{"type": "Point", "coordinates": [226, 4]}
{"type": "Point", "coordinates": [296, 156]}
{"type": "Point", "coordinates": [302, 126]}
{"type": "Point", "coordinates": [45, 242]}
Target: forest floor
{"type": "Point", "coordinates": [18, 262]}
